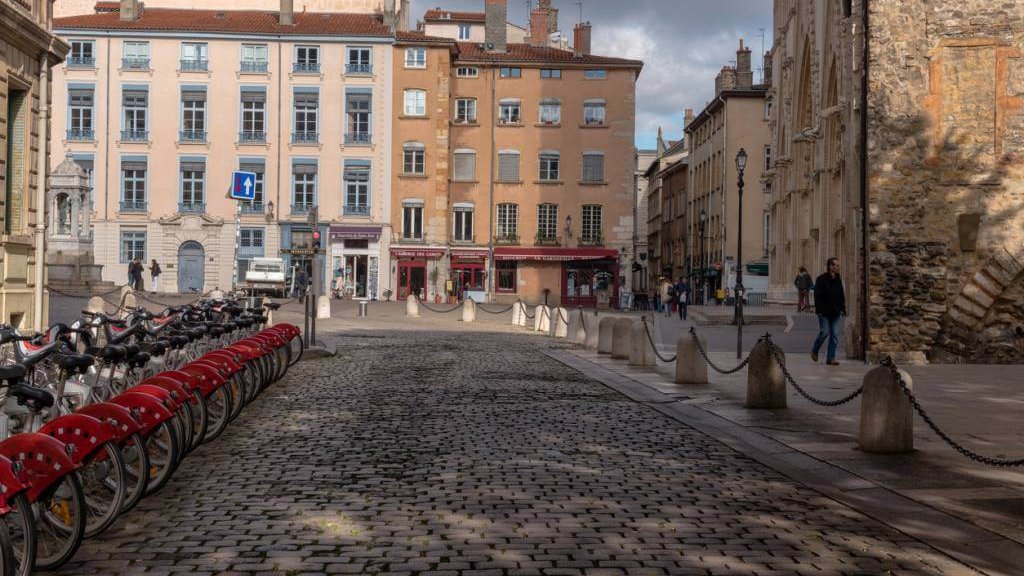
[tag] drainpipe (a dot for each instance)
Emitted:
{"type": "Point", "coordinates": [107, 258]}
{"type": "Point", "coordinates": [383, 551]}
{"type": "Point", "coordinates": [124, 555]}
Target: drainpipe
{"type": "Point", "coordinates": [44, 127]}
{"type": "Point", "coordinates": [491, 285]}
{"type": "Point", "coordinates": [865, 247]}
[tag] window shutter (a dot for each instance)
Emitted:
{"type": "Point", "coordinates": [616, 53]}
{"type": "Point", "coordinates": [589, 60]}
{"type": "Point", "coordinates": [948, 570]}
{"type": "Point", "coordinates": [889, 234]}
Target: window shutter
{"type": "Point", "coordinates": [254, 95]}
{"type": "Point", "coordinates": [465, 166]}
{"type": "Point", "coordinates": [193, 166]}
{"type": "Point", "coordinates": [593, 168]}
{"type": "Point", "coordinates": [133, 98]}
{"type": "Point", "coordinates": [304, 168]}
{"type": "Point", "coordinates": [251, 167]}
{"type": "Point", "coordinates": [306, 98]}
{"type": "Point", "coordinates": [80, 97]}
{"type": "Point", "coordinates": [193, 96]}
{"type": "Point", "coordinates": [508, 167]}
{"type": "Point", "coordinates": [133, 165]}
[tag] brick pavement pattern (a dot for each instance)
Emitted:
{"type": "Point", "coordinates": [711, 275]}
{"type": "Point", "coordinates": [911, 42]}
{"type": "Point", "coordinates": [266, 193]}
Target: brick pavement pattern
{"type": "Point", "coordinates": [416, 453]}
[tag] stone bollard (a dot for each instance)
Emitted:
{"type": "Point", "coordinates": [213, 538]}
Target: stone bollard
{"type": "Point", "coordinates": [591, 330]}
{"type": "Point", "coordinates": [128, 302]}
{"type": "Point", "coordinates": [538, 317]}
{"type": "Point", "coordinates": [766, 385]}
{"type": "Point", "coordinates": [516, 311]}
{"type": "Point", "coordinates": [604, 336]}
{"type": "Point", "coordinates": [545, 320]}
{"type": "Point", "coordinates": [469, 310]}
{"type": "Point", "coordinates": [523, 320]}
{"type": "Point", "coordinates": [640, 351]}
{"type": "Point", "coordinates": [690, 365]}
{"type": "Point", "coordinates": [323, 307]}
{"type": "Point", "coordinates": [559, 323]}
{"type": "Point", "coordinates": [621, 332]}
{"type": "Point", "coordinates": [267, 311]}
{"type": "Point", "coordinates": [412, 307]}
{"type": "Point", "coordinates": [576, 332]}
{"type": "Point", "coordinates": [95, 304]}
{"type": "Point", "coordinates": [886, 414]}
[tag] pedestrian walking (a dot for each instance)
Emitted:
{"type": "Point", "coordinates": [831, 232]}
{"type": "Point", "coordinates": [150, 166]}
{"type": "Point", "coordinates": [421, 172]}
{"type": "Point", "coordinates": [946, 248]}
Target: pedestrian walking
{"type": "Point", "coordinates": [803, 283]}
{"type": "Point", "coordinates": [663, 289]}
{"type": "Point", "coordinates": [683, 297]}
{"type": "Point", "coordinates": [154, 273]}
{"type": "Point", "coordinates": [135, 274]}
{"type": "Point", "coordinates": [830, 305]}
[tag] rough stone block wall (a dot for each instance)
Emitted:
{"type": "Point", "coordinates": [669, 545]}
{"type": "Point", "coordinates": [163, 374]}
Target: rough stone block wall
{"type": "Point", "coordinates": [946, 180]}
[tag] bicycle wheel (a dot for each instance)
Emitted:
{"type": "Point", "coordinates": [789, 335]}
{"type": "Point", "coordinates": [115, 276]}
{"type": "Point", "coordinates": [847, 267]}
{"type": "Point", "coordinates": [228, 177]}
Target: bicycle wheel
{"type": "Point", "coordinates": [8, 563]}
{"type": "Point", "coordinates": [218, 412]}
{"type": "Point", "coordinates": [236, 387]}
{"type": "Point", "coordinates": [200, 420]}
{"type": "Point", "coordinates": [162, 447]}
{"type": "Point", "coordinates": [105, 485]}
{"type": "Point", "coordinates": [21, 526]}
{"type": "Point", "coordinates": [136, 461]}
{"type": "Point", "coordinates": [186, 425]}
{"type": "Point", "coordinates": [59, 516]}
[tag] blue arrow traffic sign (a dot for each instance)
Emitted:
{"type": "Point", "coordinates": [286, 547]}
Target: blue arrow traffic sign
{"type": "Point", "coordinates": [243, 185]}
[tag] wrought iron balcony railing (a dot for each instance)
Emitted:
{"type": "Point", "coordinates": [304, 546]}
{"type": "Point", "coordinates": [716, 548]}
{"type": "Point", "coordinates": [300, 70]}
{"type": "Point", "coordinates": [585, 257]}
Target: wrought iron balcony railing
{"type": "Point", "coordinates": [133, 206]}
{"type": "Point", "coordinates": [192, 136]}
{"type": "Point", "coordinates": [249, 136]}
{"type": "Point", "coordinates": [356, 210]}
{"type": "Point", "coordinates": [305, 137]}
{"type": "Point", "coordinates": [301, 207]}
{"type": "Point", "coordinates": [543, 239]}
{"type": "Point", "coordinates": [134, 135]}
{"type": "Point", "coordinates": [253, 208]}
{"type": "Point", "coordinates": [594, 240]}
{"type": "Point", "coordinates": [306, 67]}
{"type": "Point", "coordinates": [358, 138]}
{"type": "Point", "coordinates": [80, 134]}
{"type": "Point", "coordinates": [358, 69]}
{"type": "Point", "coordinates": [194, 65]}
{"type": "Point", "coordinates": [131, 63]}
{"type": "Point", "coordinates": [507, 239]}
{"type": "Point", "coordinates": [81, 62]}
{"type": "Point", "coordinates": [254, 66]}
{"type": "Point", "coordinates": [192, 207]}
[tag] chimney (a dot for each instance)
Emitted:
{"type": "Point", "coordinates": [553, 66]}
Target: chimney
{"type": "Point", "coordinates": [726, 80]}
{"type": "Point", "coordinates": [130, 10]}
{"type": "Point", "coordinates": [495, 25]}
{"type": "Point", "coordinates": [552, 15]}
{"type": "Point", "coordinates": [581, 39]}
{"type": "Point", "coordinates": [389, 15]}
{"type": "Point", "coordinates": [538, 27]}
{"type": "Point", "coordinates": [403, 15]}
{"type": "Point", "coordinates": [744, 74]}
{"type": "Point", "coordinates": [687, 118]}
{"type": "Point", "coordinates": [287, 16]}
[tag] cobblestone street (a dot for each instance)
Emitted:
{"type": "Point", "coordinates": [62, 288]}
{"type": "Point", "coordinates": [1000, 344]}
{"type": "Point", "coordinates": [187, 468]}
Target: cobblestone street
{"type": "Point", "coordinates": [476, 454]}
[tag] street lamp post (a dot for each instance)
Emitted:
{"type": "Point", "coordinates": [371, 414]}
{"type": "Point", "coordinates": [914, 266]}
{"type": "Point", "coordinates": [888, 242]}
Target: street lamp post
{"type": "Point", "coordinates": [741, 165]}
{"type": "Point", "coordinates": [703, 273]}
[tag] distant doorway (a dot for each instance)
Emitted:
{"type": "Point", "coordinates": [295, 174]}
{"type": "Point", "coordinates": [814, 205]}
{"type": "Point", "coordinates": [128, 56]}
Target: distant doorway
{"type": "Point", "coordinates": [191, 267]}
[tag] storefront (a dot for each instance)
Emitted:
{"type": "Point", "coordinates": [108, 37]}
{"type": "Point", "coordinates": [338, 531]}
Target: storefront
{"type": "Point", "coordinates": [585, 277]}
{"type": "Point", "coordinates": [468, 274]}
{"type": "Point", "coordinates": [411, 270]}
{"type": "Point", "coordinates": [355, 261]}
{"type": "Point", "coordinates": [297, 251]}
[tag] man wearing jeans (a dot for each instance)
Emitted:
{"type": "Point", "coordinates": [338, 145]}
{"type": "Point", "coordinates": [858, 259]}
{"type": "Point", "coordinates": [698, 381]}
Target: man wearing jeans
{"type": "Point", "coordinates": [830, 305]}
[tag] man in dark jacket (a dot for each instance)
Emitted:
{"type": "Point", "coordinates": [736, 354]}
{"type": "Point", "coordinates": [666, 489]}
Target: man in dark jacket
{"type": "Point", "coordinates": [683, 296]}
{"type": "Point", "coordinates": [803, 285]}
{"type": "Point", "coordinates": [830, 305]}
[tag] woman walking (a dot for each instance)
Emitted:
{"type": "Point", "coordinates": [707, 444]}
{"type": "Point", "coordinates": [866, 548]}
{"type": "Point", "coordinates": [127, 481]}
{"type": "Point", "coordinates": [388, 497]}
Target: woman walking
{"type": "Point", "coordinates": [154, 271]}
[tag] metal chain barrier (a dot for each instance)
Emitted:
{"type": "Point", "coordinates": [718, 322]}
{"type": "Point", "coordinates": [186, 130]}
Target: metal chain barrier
{"type": "Point", "coordinates": [547, 312]}
{"type": "Point", "coordinates": [714, 366]}
{"type": "Point", "coordinates": [527, 313]}
{"type": "Point", "coordinates": [562, 317]}
{"type": "Point", "coordinates": [998, 462]}
{"type": "Point", "coordinates": [460, 305]}
{"type": "Point", "coordinates": [789, 378]}
{"type": "Point", "coordinates": [655, 346]}
{"type": "Point", "coordinates": [481, 308]}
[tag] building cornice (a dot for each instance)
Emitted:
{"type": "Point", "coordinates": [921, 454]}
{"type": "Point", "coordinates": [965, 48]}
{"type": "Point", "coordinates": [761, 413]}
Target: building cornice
{"type": "Point", "coordinates": [19, 29]}
{"type": "Point", "coordinates": [224, 36]}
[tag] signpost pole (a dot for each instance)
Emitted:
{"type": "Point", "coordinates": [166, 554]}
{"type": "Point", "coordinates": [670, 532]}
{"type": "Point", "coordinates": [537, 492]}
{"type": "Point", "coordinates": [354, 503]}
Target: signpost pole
{"type": "Point", "coordinates": [314, 219]}
{"type": "Point", "coordinates": [238, 241]}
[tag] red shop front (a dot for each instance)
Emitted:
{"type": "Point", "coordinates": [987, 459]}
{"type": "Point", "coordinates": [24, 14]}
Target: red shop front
{"type": "Point", "coordinates": [411, 266]}
{"type": "Point", "coordinates": [468, 274]}
{"type": "Point", "coordinates": [587, 274]}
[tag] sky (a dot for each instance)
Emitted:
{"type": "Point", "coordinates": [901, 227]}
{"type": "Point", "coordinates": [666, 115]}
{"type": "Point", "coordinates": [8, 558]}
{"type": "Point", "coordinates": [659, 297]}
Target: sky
{"type": "Point", "coordinates": [683, 43]}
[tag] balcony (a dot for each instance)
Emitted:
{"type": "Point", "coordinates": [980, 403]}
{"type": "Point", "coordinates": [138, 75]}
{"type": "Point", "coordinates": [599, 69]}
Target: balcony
{"type": "Point", "coordinates": [253, 207]}
{"type": "Point", "coordinates": [305, 137]}
{"type": "Point", "coordinates": [133, 206]}
{"type": "Point", "coordinates": [194, 65]}
{"type": "Point", "coordinates": [544, 239]}
{"type": "Point", "coordinates": [252, 137]}
{"type": "Point", "coordinates": [135, 135]}
{"type": "Point", "coordinates": [192, 136]}
{"type": "Point", "coordinates": [507, 239]}
{"type": "Point", "coordinates": [299, 208]}
{"type": "Point", "coordinates": [357, 210]}
{"type": "Point", "coordinates": [192, 207]}
{"type": "Point", "coordinates": [253, 67]}
{"type": "Point", "coordinates": [80, 134]}
{"type": "Point", "coordinates": [593, 122]}
{"type": "Point", "coordinates": [81, 62]}
{"type": "Point", "coordinates": [358, 138]}
{"type": "Point", "coordinates": [595, 240]}
{"type": "Point", "coordinates": [134, 63]}
{"type": "Point", "coordinates": [306, 68]}
{"type": "Point", "coordinates": [359, 69]}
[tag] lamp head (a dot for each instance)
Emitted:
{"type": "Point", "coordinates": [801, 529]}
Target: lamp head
{"type": "Point", "coordinates": [741, 160]}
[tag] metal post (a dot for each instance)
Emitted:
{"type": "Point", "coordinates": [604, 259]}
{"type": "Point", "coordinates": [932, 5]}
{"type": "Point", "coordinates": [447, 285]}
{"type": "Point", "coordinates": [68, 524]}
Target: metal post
{"type": "Point", "coordinates": [317, 283]}
{"type": "Point", "coordinates": [738, 293]}
{"type": "Point", "coordinates": [238, 241]}
{"type": "Point", "coordinates": [305, 314]}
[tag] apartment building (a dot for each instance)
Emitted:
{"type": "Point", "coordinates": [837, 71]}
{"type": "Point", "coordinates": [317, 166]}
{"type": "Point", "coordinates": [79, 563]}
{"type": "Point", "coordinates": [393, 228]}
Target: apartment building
{"type": "Point", "coordinates": [517, 172]}
{"type": "Point", "coordinates": [161, 104]}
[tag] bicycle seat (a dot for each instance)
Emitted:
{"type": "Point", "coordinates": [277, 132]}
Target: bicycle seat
{"type": "Point", "coordinates": [158, 347]}
{"type": "Point", "coordinates": [27, 394]}
{"type": "Point", "coordinates": [73, 362]}
{"type": "Point", "coordinates": [180, 341]}
{"type": "Point", "coordinates": [12, 373]}
{"type": "Point", "coordinates": [131, 350]}
{"type": "Point", "coordinates": [262, 319]}
{"type": "Point", "coordinates": [216, 331]}
{"type": "Point", "coordinates": [230, 327]}
{"type": "Point", "coordinates": [140, 359]}
{"type": "Point", "coordinates": [199, 331]}
{"type": "Point", "coordinates": [244, 322]}
{"type": "Point", "coordinates": [112, 352]}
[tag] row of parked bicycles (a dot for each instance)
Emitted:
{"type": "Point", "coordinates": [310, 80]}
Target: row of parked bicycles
{"type": "Point", "coordinates": [100, 413]}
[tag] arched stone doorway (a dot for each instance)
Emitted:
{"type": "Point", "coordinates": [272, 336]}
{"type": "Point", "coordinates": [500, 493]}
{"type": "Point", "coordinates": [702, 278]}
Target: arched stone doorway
{"type": "Point", "coordinates": [191, 267]}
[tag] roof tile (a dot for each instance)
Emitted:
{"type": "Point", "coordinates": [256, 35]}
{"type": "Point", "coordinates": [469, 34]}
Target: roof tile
{"type": "Point", "coordinates": [540, 54]}
{"type": "Point", "coordinates": [439, 15]}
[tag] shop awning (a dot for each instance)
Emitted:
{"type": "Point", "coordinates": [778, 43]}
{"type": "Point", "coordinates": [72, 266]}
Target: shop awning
{"type": "Point", "coordinates": [468, 255]}
{"type": "Point", "coordinates": [354, 232]}
{"type": "Point", "coordinates": [554, 254]}
{"type": "Point", "coordinates": [417, 252]}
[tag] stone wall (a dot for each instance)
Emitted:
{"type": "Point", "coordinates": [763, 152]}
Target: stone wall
{"type": "Point", "coordinates": [946, 180]}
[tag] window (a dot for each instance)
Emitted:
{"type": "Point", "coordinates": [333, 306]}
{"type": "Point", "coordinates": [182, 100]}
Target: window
{"type": "Point", "coordinates": [465, 111]}
{"type": "Point", "coordinates": [415, 103]}
{"type": "Point", "coordinates": [412, 220]}
{"type": "Point", "coordinates": [303, 185]}
{"type": "Point", "coordinates": [464, 166]}
{"type": "Point", "coordinates": [550, 73]}
{"type": "Point", "coordinates": [135, 56]}
{"type": "Point", "coordinates": [357, 188]}
{"type": "Point", "coordinates": [767, 158]}
{"type": "Point", "coordinates": [509, 112]}
{"type": "Point", "coordinates": [507, 72]}
{"type": "Point", "coordinates": [593, 112]}
{"type": "Point", "coordinates": [193, 184]}
{"type": "Point", "coordinates": [250, 238]}
{"type": "Point", "coordinates": [467, 72]}
{"type": "Point", "coordinates": [80, 115]}
{"type": "Point", "coordinates": [508, 223]}
{"type": "Point", "coordinates": [135, 101]}
{"type": "Point", "coordinates": [194, 57]}
{"type": "Point", "coordinates": [257, 167]}
{"type": "Point", "coordinates": [590, 232]}
{"type": "Point", "coordinates": [593, 167]}
{"type": "Point", "coordinates": [600, 74]}
{"type": "Point", "coordinates": [357, 110]}
{"type": "Point", "coordinates": [193, 114]}
{"type": "Point", "coordinates": [464, 31]}
{"type": "Point", "coordinates": [254, 58]}
{"type": "Point", "coordinates": [550, 111]}
{"type": "Point", "coordinates": [307, 59]}
{"type": "Point", "coordinates": [360, 61]}
{"type": "Point", "coordinates": [547, 223]}
{"type": "Point", "coordinates": [415, 57]}
{"type": "Point", "coordinates": [767, 109]}
{"type": "Point", "coordinates": [506, 270]}
{"type": "Point", "coordinates": [133, 184]}
{"type": "Point", "coordinates": [133, 245]}
{"type": "Point", "coordinates": [550, 166]}
{"type": "Point", "coordinates": [462, 219]}
{"type": "Point", "coordinates": [508, 166]}
{"type": "Point", "coordinates": [254, 114]}
{"type": "Point", "coordinates": [307, 104]}
{"type": "Point", "coordinates": [83, 54]}
{"type": "Point", "coordinates": [414, 158]}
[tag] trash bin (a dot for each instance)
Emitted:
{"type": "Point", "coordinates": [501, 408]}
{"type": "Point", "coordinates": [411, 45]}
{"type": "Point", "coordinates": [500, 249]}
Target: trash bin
{"type": "Point", "coordinates": [363, 304]}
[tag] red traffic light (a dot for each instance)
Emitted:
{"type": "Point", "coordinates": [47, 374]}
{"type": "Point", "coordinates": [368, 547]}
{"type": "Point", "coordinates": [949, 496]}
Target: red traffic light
{"type": "Point", "coordinates": [316, 235]}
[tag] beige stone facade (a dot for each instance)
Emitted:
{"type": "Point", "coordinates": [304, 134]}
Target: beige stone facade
{"type": "Point", "coordinates": [641, 247]}
{"type": "Point", "coordinates": [28, 49]}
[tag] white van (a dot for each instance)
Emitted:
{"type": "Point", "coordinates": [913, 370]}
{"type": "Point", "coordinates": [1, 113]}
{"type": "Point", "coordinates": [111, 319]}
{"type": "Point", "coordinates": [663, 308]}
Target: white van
{"type": "Point", "coordinates": [266, 275]}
